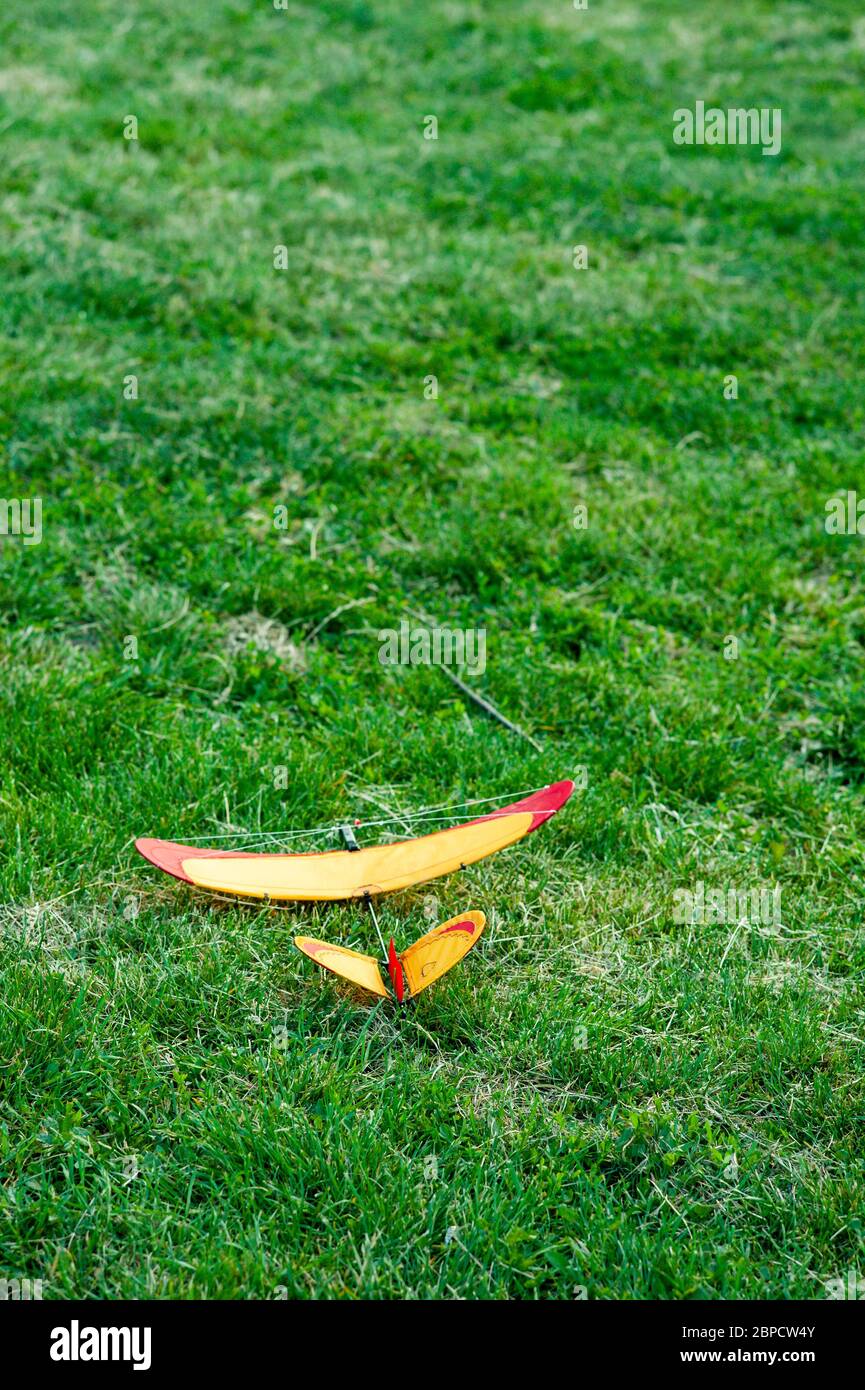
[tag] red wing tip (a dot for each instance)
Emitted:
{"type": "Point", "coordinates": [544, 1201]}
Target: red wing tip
{"type": "Point", "coordinates": [545, 803]}
{"type": "Point", "coordinates": [560, 791]}
{"type": "Point", "coordinates": [548, 801]}
{"type": "Point", "coordinates": [166, 855]}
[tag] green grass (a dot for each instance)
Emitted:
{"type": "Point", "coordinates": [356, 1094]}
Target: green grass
{"type": "Point", "coordinates": [283, 1133]}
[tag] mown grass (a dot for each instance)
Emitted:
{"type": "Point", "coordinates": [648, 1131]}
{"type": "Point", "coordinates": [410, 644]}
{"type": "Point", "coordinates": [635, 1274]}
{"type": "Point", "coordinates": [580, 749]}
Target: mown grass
{"type": "Point", "coordinates": [601, 1098]}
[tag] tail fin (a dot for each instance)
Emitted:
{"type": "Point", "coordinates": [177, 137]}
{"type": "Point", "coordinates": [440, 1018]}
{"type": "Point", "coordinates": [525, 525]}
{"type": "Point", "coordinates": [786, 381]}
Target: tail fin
{"type": "Point", "coordinates": [394, 969]}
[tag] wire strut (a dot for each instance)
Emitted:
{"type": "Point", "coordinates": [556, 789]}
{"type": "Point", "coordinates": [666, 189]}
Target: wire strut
{"type": "Point", "coordinates": [427, 814]}
{"type": "Point", "coordinates": [368, 900]}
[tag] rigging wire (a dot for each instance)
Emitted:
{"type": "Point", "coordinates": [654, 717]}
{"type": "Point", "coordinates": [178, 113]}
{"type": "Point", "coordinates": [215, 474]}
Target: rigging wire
{"type": "Point", "coordinates": [426, 814]}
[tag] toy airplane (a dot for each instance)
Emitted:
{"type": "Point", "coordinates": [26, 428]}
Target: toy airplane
{"type": "Point", "coordinates": [364, 872]}
{"type": "Point", "coordinates": [356, 872]}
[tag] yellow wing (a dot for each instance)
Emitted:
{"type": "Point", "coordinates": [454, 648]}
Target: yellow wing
{"type": "Point", "coordinates": [374, 869]}
{"type": "Point", "coordinates": [351, 965]}
{"type": "Point", "coordinates": [378, 869]}
{"type": "Point", "coordinates": [431, 957]}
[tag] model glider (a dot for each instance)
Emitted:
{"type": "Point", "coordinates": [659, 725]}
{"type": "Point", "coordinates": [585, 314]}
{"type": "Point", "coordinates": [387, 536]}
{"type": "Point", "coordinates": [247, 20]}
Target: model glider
{"type": "Point", "coordinates": [410, 971]}
{"type": "Point", "coordinates": [356, 872]}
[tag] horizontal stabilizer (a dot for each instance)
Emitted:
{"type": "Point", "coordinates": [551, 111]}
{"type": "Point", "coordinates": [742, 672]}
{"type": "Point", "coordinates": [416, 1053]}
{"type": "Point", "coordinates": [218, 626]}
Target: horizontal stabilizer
{"type": "Point", "coordinates": [351, 965]}
{"type": "Point", "coordinates": [418, 967]}
{"type": "Point", "coordinates": [437, 952]}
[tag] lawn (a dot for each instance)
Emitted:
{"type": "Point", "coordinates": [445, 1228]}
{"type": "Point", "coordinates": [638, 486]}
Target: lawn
{"type": "Point", "coordinates": [247, 473]}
